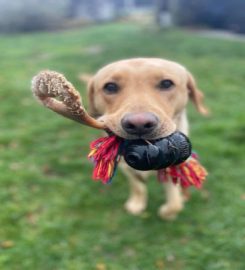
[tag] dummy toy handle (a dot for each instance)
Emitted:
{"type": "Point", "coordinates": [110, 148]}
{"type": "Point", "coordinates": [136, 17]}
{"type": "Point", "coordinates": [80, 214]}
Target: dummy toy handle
{"type": "Point", "coordinates": [57, 94]}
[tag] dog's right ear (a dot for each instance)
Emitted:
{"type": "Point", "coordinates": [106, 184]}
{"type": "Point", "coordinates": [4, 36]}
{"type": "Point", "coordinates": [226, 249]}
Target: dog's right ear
{"type": "Point", "coordinates": [91, 98]}
{"type": "Point", "coordinates": [87, 79]}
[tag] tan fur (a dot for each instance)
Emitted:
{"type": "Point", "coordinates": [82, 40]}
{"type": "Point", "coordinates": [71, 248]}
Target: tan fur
{"type": "Point", "coordinates": [138, 79]}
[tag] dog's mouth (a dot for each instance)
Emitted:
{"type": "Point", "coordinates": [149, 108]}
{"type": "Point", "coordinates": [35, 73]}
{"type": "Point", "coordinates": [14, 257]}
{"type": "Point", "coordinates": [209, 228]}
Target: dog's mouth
{"type": "Point", "coordinates": [155, 154]}
{"type": "Point", "coordinates": [130, 137]}
{"type": "Point", "coordinates": [156, 134]}
{"type": "Point", "coordinates": [162, 129]}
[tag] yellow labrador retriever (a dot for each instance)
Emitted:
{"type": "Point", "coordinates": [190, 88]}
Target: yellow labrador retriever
{"type": "Point", "coordinates": [137, 98]}
{"type": "Point", "coordinates": [145, 98]}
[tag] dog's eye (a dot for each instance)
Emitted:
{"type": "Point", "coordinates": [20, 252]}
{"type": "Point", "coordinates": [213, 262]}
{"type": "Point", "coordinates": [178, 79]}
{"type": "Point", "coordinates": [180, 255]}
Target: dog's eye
{"type": "Point", "coordinates": [111, 88]}
{"type": "Point", "coordinates": [166, 84]}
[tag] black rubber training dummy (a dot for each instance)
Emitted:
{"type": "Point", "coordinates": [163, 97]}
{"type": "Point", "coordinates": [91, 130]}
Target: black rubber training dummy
{"type": "Point", "coordinates": [159, 154]}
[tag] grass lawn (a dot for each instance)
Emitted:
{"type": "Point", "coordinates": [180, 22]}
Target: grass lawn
{"type": "Point", "coordinates": [53, 216]}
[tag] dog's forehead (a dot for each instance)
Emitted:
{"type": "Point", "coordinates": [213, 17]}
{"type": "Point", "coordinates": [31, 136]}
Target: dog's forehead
{"type": "Point", "coordinates": [141, 66]}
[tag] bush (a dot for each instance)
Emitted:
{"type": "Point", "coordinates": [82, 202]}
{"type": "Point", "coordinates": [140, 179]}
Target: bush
{"type": "Point", "coordinates": [31, 15]}
{"type": "Point", "coordinates": [221, 14]}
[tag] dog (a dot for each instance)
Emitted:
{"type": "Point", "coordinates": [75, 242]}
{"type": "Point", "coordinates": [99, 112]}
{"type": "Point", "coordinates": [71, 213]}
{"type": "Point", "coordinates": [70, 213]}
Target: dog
{"type": "Point", "coordinates": [144, 98]}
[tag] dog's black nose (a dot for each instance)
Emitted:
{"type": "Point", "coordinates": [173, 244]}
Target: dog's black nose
{"type": "Point", "coordinates": [139, 123]}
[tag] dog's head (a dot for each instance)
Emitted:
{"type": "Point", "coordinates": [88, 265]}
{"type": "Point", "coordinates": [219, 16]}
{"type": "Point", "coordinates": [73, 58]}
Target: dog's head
{"type": "Point", "coordinates": [140, 98]}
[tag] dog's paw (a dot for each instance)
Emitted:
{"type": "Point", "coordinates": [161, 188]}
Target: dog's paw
{"type": "Point", "coordinates": [135, 207]}
{"type": "Point", "coordinates": [169, 211]}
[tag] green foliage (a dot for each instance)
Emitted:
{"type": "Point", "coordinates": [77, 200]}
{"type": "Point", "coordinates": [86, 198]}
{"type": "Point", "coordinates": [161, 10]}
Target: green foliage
{"type": "Point", "coordinates": [52, 216]}
{"type": "Point", "coordinates": [222, 14]}
{"type": "Point", "coordinates": [31, 15]}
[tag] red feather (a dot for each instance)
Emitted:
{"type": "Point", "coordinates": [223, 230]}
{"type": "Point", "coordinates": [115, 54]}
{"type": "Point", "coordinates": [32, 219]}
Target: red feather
{"type": "Point", "coordinates": [188, 173]}
{"type": "Point", "coordinates": [104, 153]}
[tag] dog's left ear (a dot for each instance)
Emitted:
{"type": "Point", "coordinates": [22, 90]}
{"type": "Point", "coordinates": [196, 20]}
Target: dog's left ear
{"type": "Point", "coordinates": [196, 95]}
{"type": "Point", "coordinates": [85, 78]}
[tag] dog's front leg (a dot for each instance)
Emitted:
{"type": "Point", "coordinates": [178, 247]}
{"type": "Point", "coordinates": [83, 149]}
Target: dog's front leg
{"type": "Point", "coordinates": [174, 201]}
{"type": "Point", "coordinates": [137, 200]}
{"type": "Point", "coordinates": [174, 197]}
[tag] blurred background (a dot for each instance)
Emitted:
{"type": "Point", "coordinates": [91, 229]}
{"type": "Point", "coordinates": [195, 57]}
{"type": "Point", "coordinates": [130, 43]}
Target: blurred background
{"type": "Point", "coordinates": [34, 15]}
{"type": "Point", "coordinates": [52, 215]}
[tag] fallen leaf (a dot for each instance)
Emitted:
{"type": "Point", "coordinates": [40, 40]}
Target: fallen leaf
{"type": "Point", "coordinates": [15, 166]}
{"type": "Point", "coordinates": [184, 240]}
{"type": "Point", "coordinates": [170, 258]}
{"type": "Point", "coordinates": [243, 197]}
{"type": "Point", "coordinates": [129, 252]}
{"type": "Point", "coordinates": [7, 244]}
{"type": "Point", "coordinates": [14, 145]}
{"type": "Point", "coordinates": [100, 266]}
{"type": "Point", "coordinates": [32, 218]}
{"type": "Point", "coordinates": [160, 264]}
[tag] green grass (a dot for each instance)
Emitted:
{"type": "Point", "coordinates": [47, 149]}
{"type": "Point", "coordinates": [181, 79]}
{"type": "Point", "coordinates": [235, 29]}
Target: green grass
{"type": "Point", "coordinates": [52, 216]}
